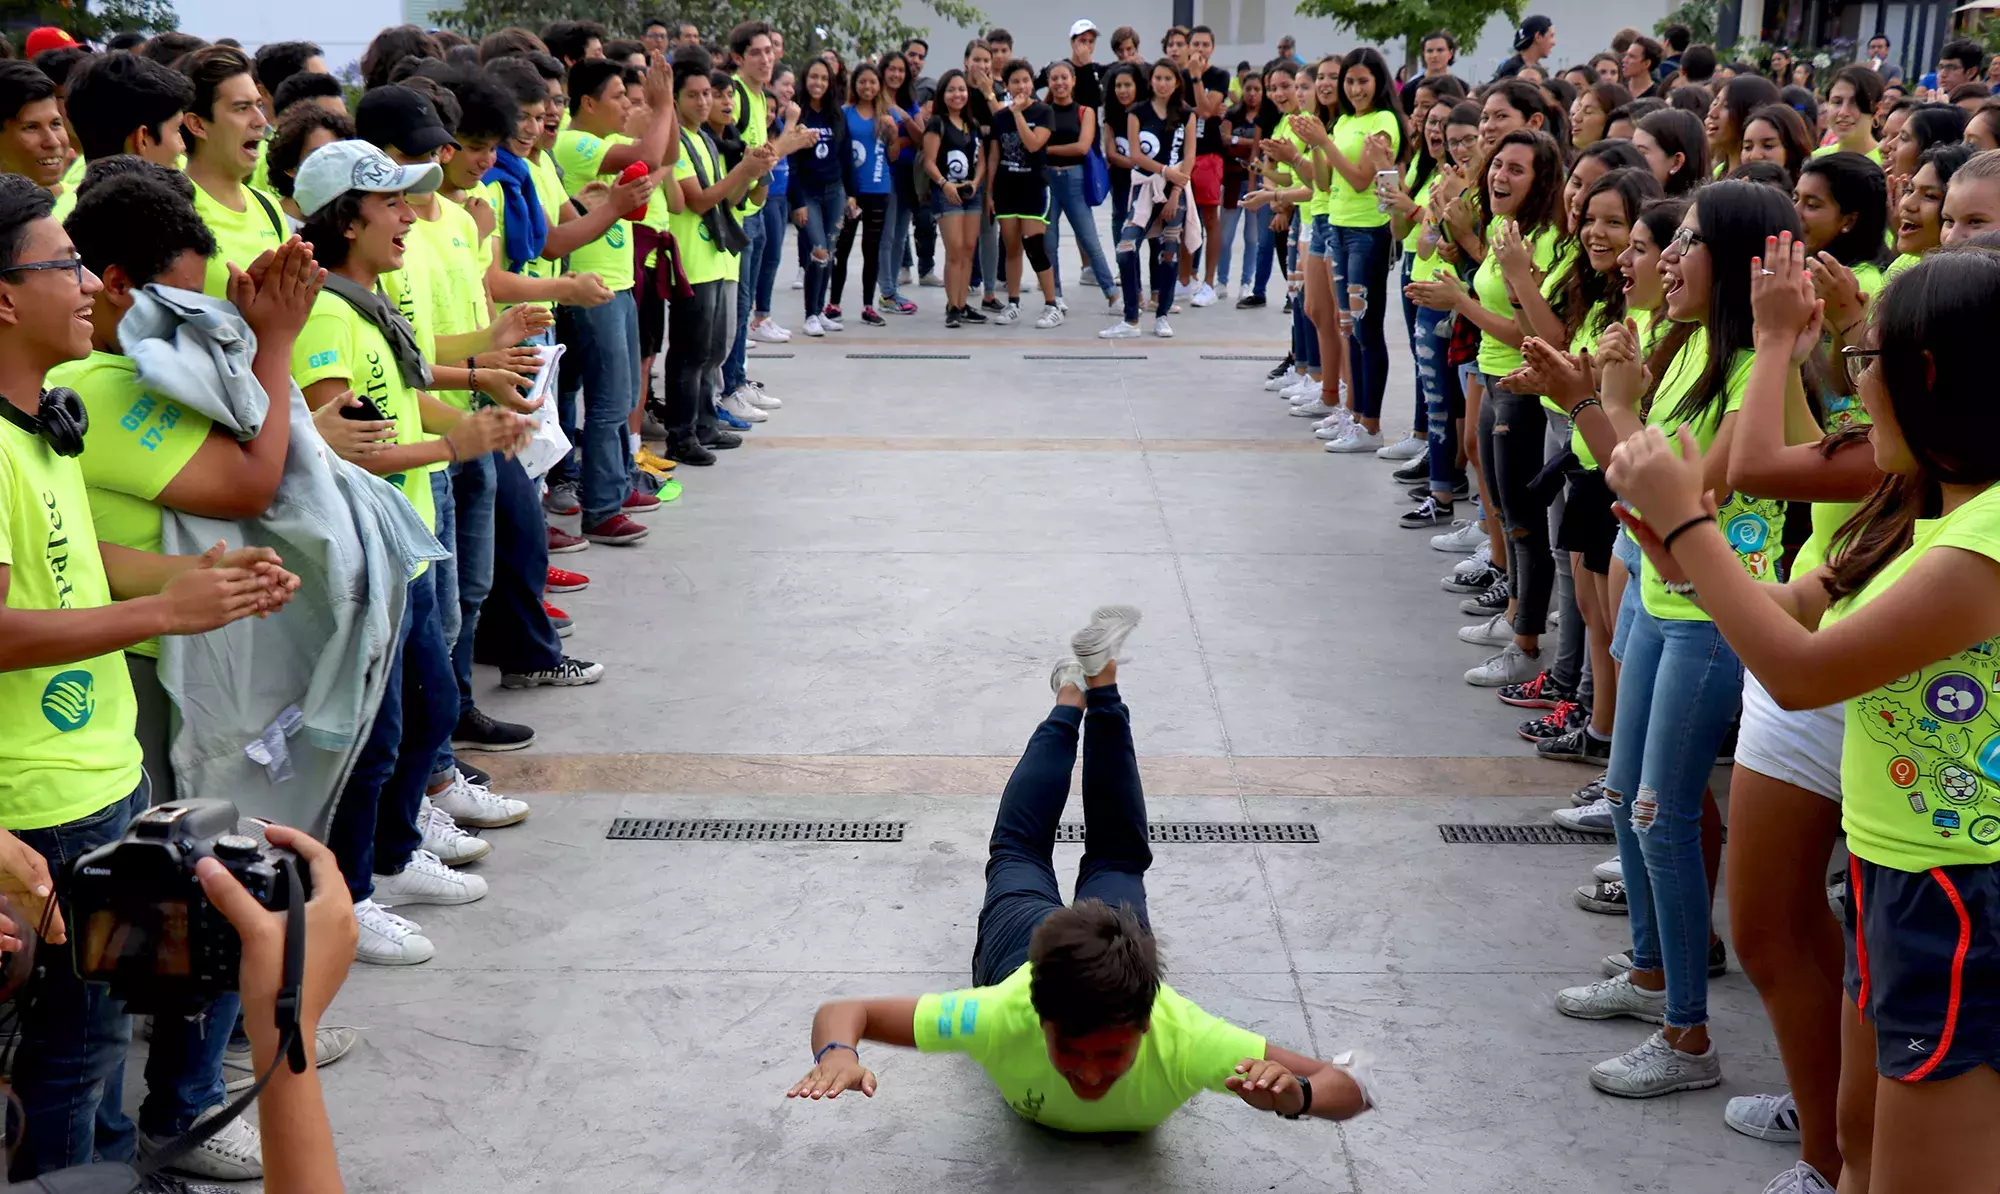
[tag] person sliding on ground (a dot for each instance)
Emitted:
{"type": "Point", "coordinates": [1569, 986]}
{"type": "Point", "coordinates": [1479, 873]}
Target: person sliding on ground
{"type": "Point", "coordinates": [1067, 1012]}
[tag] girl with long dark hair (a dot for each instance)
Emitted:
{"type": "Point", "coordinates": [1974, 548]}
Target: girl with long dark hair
{"type": "Point", "coordinates": [1850, 113]}
{"type": "Point", "coordinates": [1920, 212]}
{"type": "Point", "coordinates": [1309, 124]}
{"type": "Point", "coordinates": [1776, 133]}
{"type": "Point", "coordinates": [1728, 115]}
{"type": "Point", "coordinates": [1251, 120]}
{"type": "Point", "coordinates": [1676, 147]}
{"type": "Point", "coordinates": [951, 158]}
{"type": "Point", "coordinates": [1590, 115]}
{"type": "Point", "coordinates": [1160, 133]}
{"type": "Point", "coordinates": [1406, 203]}
{"type": "Point", "coordinates": [899, 216]}
{"type": "Point", "coordinates": [1017, 191]}
{"type": "Point", "coordinates": [1073, 130]}
{"type": "Point", "coordinates": [872, 131]}
{"type": "Point", "coordinates": [818, 189]}
{"type": "Point", "coordinates": [1842, 201]}
{"type": "Point", "coordinates": [1125, 88]}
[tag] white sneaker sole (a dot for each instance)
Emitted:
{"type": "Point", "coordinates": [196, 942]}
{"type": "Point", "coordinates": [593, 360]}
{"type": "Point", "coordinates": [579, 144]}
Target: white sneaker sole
{"type": "Point", "coordinates": [1097, 644]}
{"type": "Point", "coordinates": [1653, 1092]}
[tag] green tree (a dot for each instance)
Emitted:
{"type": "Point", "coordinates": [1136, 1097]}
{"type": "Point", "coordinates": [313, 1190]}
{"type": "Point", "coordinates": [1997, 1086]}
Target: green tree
{"type": "Point", "coordinates": [1389, 21]}
{"type": "Point", "coordinates": [1700, 16]}
{"type": "Point", "coordinates": [91, 22]}
{"type": "Point", "coordinates": [854, 27]}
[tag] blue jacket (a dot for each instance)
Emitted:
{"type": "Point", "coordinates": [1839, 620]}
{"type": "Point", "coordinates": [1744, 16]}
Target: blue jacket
{"type": "Point", "coordinates": [274, 710]}
{"type": "Point", "coordinates": [826, 160]}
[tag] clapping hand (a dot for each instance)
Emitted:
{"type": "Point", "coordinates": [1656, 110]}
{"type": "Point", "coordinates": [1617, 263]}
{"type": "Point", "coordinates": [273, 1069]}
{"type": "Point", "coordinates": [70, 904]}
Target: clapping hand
{"type": "Point", "coordinates": [1783, 304]}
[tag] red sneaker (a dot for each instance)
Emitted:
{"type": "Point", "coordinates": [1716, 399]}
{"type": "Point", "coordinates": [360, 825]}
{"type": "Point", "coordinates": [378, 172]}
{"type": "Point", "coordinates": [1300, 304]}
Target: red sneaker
{"type": "Point", "coordinates": [564, 581]}
{"type": "Point", "coordinates": [562, 541]}
{"type": "Point", "coordinates": [563, 623]}
{"type": "Point", "coordinates": [553, 612]}
{"type": "Point", "coordinates": [640, 501]}
{"type": "Point", "coordinates": [616, 530]}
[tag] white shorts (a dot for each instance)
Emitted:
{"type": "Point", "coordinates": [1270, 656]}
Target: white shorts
{"type": "Point", "coordinates": [1800, 747]}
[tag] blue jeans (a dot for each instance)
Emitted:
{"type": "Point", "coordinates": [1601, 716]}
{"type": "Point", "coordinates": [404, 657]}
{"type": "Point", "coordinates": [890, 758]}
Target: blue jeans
{"type": "Point", "coordinates": [184, 1067]}
{"type": "Point", "coordinates": [446, 570]}
{"type": "Point", "coordinates": [513, 632]}
{"type": "Point", "coordinates": [1361, 258]}
{"type": "Point", "coordinates": [374, 828]}
{"type": "Point", "coordinates": [608, 349]}
{"type": "Point", "coordinates": [896, 223]}
{"type": "Point", "coordinates": [1305, 338]}
{"type": "Point", "coordinates": [473, 485]}
{"type": "Point", "coordinates": [1678, 691]}
{"type": "Point", "coordinates": [825, 205]}
{"type": "Point", "coordinates": [1165, 252]}
{"type": "Point", "coordinates": [1444, 402]}
{"type": "Point", "coordinates": [1066, 200]}
{"type": "Point", "coordinates": [1021, 886]}
{"type": "Point", "coordinates": [70, 1069]}
{"type": "Point", "coordinates": [1420, 413]}
{"type": "Point", "coordinates": [750, 266]}
{"type": "Point", "coordinates": [1257, 246]}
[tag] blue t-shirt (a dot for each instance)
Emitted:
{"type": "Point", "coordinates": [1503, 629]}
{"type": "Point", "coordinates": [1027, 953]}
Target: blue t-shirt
{"type": "Point", "coordinates": [871, 165]}
{"type": "Point", "coordinates": [781, 173]}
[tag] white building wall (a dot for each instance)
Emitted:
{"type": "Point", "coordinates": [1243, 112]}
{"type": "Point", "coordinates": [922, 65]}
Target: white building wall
{"type": "Point", "coordinates": [343, 30]}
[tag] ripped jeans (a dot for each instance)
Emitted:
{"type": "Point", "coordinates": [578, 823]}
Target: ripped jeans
{"type": "Point", "coordinates": [1678, 690]}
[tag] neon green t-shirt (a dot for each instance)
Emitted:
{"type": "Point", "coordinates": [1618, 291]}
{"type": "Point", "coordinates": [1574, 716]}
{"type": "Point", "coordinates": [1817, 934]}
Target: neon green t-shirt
{"type": "Point", "coordinates": [138, 442]}
{"type": "Point", "coordinates": [1841, 412]}
{"type": "Point", "coordinates": [1920, 763]}
{"type": "Point", "coordinates": [1495, 355]}
{"type": "Point", "coordinates": [1346, 206]}
{"type": "Point", "coordinates": [1185, 1052]}
{"type": "Point", "coordinates": [1902, 262]}
{"type": "Point", "coordinates": [580, 157]}
{"type": "Point", "coordinates": [337, 342]}
{"type": "Point", "coordinates": [1423, 198]}
{"type": "Point", "coordinates": [753, 114]}
{"type": "Point", "coordinates": [701, 258]}
{"type": "Point", "coordinates": [1651, 328]}
{"type": "Point", "coordinates": [1753, 526]}
{"type": "Point", "coordinates": [69, 748]}
{"type": "Point", "coordinates": [240, 236]}
{"type": "Point", "coordinates": [456, 282]}
{"type": "Point", "coordinates": [549, 189]}
{"type": "Point", "coordinates": [1874, 155]}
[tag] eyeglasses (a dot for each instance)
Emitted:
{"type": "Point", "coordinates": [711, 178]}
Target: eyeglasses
{"type": "Point", "coordinates": [1462, 142]}
{"type": "Point", "coordinates": [72, 264]}
{"type": "Point", "coordinates": [1684, 239]}
{"type": "Point", "coordinates": [1857, 362]}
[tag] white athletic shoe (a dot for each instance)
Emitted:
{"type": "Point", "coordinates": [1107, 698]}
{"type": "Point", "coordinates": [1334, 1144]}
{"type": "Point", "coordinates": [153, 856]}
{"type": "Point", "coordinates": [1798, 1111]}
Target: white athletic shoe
{"type": "Point", "coordinates": [1121, 331]}
{"type": "Point", "coordinates": [1312, 408]}
{"type": "Point", "coordinates": [1358, 439]}
{"type": "Point", "coordinates": [1464, 538]}
{"type": "Point", "coordinates": [1011, 313]}
{"type": "Point", "coordinates": [1204, 295]}
{"type": "Point", "coordinates": [1609, 998]}
{"type": "Point", "coordinates": [387, 939]}
{"type": "Point", "coordinates": [1511, 666]}
{"type": "Point", "coordinates": [831, 324]}
{"type": "Point", "coordinates": [736, 404]}
{"type": "Point", "coordinates": [1284, 381]}
{"type": "Point", "coordinates": [1066, 671]}
{"type": "Point", "coordinates": [1332, 430]}
{"type": "Point", "coordinates": [1097, 644]}
{"type": "Point", "coordinates": [476, 805]}
{"type": "Point", "coordinates": [769, 332]}
{"type": "Point", "coordinates": [428, 881]}
{"type": "Point", "coordinates": [1052, 316]}
{"type": "Point", "coordinates": [1764, 1117]}
{"type": "Point", "coordinates": [443, 837]}
{"type": "Point", "coordinates": [1657, 1068]}
{"type": "Point", "coordinates": [1495, 631]}
{"type": "Point", "coordinates": [813, 326]}
{"type": "Point", "coordinates": [234, 1154]}
{"type": "Point", "coordinates": [1408, 448]}
{"type": "Point", "coordinates": [757, 397]}
{"type": "Point", "coordinates": [1162, 328]}
{"type": "Point", "coordinates": [1801, 1178]}
{"type": "Point", "coordinates": [1613, 871]}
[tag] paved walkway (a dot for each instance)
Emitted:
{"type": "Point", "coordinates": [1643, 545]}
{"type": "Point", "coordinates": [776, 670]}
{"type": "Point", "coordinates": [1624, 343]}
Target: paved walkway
{"type": "Point", "coordinates": [853, 616]}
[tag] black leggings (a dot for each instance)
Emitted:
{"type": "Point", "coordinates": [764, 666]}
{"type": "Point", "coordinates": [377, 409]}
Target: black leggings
{"type": "Point", "coordinates": [874, 208]}
{"type": "Point", "coordinates": [1512, 428]}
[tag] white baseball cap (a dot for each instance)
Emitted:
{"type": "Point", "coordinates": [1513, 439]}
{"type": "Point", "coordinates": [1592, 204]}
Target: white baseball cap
{"type": "Point", "coordinates": [1082, 27]}
{"type": "Point", "coordinates": [336, 168]}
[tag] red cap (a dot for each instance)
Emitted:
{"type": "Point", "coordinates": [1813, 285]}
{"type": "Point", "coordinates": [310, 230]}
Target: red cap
{"type": "Point", "coordinates": [48, 37]}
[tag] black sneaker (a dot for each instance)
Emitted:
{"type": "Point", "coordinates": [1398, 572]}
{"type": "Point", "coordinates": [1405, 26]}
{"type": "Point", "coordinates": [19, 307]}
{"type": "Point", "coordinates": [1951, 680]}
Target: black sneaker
{"type": "Point", "coordinates": [1427, 516]}
{"type": "Point", "coordinates": [951, 319]}
{"type": "Point", "coordinates": [1284, 367]}
{"type": "Point", "coordinates": [1249, 302]}
{"type": "Point", "coordinates": [1542, 692]}
{"type": "Point", "coordinates": [1415, 471]}
{"type": "Point", "coordinates": [1578, 745]}
{"type": "Point", "coordinates": [1554, 724]}
{"type": "Point", "coordinates": [1288, 304]}
{"type": "Point", "coordinates": [1589, 793]}
{"type": "Point", "coordinates": [1488, 603]}
{"type": "Point", "coordinates": [1718, 959]}
{"type": "Point", "coordinates": [473, 775]}
{"type": "Point", "coordinates": [568, 674]}
{"type": "Point", "coordinates": [1726, 756]}
{"type": "Point", "coordinates": [720, 440]}
{"type": "Point", "coordinates": [687, 451]}
{"type": "Point", "coordinates": [970, 315]}
{"type": "Point", "coordinates": [1606, 897]}
{"type": "Point", "coordinates": [992, 303]}
{"type": "Point", "coordinates": [477, 731]}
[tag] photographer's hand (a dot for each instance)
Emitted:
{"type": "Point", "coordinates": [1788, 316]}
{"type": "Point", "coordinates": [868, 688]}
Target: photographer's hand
{"type": "Point", "coordinates": [24, 876]}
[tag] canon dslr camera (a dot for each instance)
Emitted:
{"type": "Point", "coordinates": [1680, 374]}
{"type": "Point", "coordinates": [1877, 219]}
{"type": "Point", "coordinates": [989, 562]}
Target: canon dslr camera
{"type": "Point", "coordinates": [142, 923]}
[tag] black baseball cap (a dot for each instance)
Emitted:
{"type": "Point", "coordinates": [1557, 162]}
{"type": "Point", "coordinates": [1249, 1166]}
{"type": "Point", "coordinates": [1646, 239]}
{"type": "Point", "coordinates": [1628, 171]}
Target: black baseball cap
{"type": "Point", "coordinates": [1531, 29]}
{"type": "Point", "coordinates": [400, 118]}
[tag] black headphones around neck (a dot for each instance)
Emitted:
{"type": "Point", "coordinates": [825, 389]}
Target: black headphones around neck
{"type": "Point", "coordinates": [60, 422]}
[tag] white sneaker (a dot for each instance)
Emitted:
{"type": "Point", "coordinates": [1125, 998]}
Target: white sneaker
{"type": "Point", "coordinates": [799, 282]}
{"type": "Point", "coordinates": [233, 1154]}
{"type": "Point", "coordinates": [1465, 538]}
{"type": "Point", "coordinates": [1121, 331]}
{"type": "Point", "coordinates": [1331, 429]}
{"type": "Point", "coordinates": [831, 324]}
{"type": "Point", "coordinates": [1511, 666]}
{"type": "Point", "coordinates": [1052, 316]}
{"type": "Point", "coordinates": [1360, 439]}
{"type": "Point", "coordinates": [1222, 293]}
{"type": "Point", "coordinates": [903, 276]}
{"type": "Point", "coordinates": [736, 404]}
{"type": "Point", "coordinates": [1162, 328]}
{"type": "Point", "coordinates": [813, 326]}
{"type": "Point", "coordinates": [1610, 998]}
{"type": "Point", "coordinates": [1062, 304]}
{"type": "Point", "coordinates": [1011, 313]}
{"type": "Point", "coordinates": [1312, 408]}
{"type": "Point", "coordinates": [387, 939]}
{"type": "Point", "coordinates": [1764, 1117]}
{"type": "Point", "coordinates": [1066, 671]}
{"type": "Point", "coordinates": [757, 397]}
{"type": "Point", "coordinates": [1285, 381]}
{"type": "Point", "coordinates": [428, 881]}
{"type": "Point", "coordinates": [1408, 448]}
{"type": "Point", "coordinates": [777, 329]}
{"type": "Point", "coordinates": [476, 805]}
{"type": "Point", "coordinates": [931, 280]}
{"type": "Point", "coordinates": [1097, 644]}
{"type": "Point", "coordinates": [1204, 295]}
{"type": "Point", "coordinates": [769, 332]}
{"type": "Point", "coordinates": [443, 837]}
{"type": "Point", "coordinates": [1801, 1178]}
{"type": "Point", "coordinates": [1657, 1068]}
{"type": "Point", "coordinates": [1339, 418]}
{"type": "Point", "coordinates": [1479, 561]}
{"type": "Point", "coordinates": [1495, 631]}
{"type": "Point", "coordinates": [1613, 871]}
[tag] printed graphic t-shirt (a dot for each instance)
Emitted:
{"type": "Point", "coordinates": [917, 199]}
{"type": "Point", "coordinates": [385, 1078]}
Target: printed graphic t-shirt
{"type": "Point", "coordinates": [1920, 763]}
{"type": "Point", "coordinates": [69, 748]}
{"type": "Point", "coordinates": [1186, 1051]}
{"type": "Point", "coordinates": [580, 157]}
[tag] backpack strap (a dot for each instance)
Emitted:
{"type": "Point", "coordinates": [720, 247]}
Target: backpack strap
{"type": "Point", "coordinates": [270, 210]}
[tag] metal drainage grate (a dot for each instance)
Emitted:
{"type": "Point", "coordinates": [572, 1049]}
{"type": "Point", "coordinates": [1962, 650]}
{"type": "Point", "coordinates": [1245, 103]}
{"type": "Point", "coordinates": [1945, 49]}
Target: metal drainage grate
{"type": "Point", "coordinates": [775, 356]}
{"type": "Point", "coordinates": [1517, 835]}
{"type": "Point", "coordinates": [909, 356]}
{"type": "Point", "coordinates": [1239, 356]}
{"type": "Point", "coordinates": [1205, 832]}
{"type": "Point", "coordinates": [1083, 356]}
{"type": "Point", "coordinates": [664, 829]}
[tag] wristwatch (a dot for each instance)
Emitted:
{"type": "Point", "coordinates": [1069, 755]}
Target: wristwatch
{"type": "Point", "coordinates": [1306, 1106]}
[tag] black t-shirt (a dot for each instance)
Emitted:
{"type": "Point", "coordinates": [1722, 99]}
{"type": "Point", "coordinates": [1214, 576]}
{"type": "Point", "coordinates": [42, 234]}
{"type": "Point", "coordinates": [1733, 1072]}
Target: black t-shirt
{"type": "Point", "coordinates": [1065, 126]}
{"type": "Point", "coordinates": [958, 151]}
{"type": "Point", "coordinates": [1163, 142]}
{"type": "Point", "coordinates": [1089, 83]}
{"type": "Point", "coordinates": [1016, 161]}
{"type": "Point", "coordinates": [1208, 133]}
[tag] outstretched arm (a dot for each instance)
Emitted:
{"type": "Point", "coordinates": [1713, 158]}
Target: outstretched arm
{"type": "Point", "coordinates": [848, 1022]}
{"type": "Point", "coordinates": [1271, 1083]}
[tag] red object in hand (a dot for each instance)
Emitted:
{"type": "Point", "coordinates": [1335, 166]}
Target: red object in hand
{"type": "Point", "coordinates": [635, 170]}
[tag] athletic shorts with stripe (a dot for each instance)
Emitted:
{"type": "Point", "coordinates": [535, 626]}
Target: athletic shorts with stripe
{"type": "Point", "coordinates": [1923, 966]}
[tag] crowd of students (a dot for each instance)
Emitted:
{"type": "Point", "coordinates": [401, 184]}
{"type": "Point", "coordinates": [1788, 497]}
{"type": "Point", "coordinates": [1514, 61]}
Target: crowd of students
{"type": "Point", "coordinates": [488, 283]}
{"type": "Point", "coordinates": [1701, 348]}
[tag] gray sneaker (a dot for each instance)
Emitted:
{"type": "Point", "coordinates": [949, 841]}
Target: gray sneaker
{"type": "Point", "coordinates": [1495, 631]}
{"type": "Point", "coordinates": [1066, 671]}
{"type": "Point", "coordinates": [1097, 644]}
{"type": "Point", "coordinates": [1594, 817]}
{"type": "Point", "coordinates": [1657, 1068]}
{"type": "Point", "coordinates": [1511, 666]}
{"type": "Point", "coordinates": [1610, 998]}
{"type": "Point", "coordinates": [1605, 897]}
